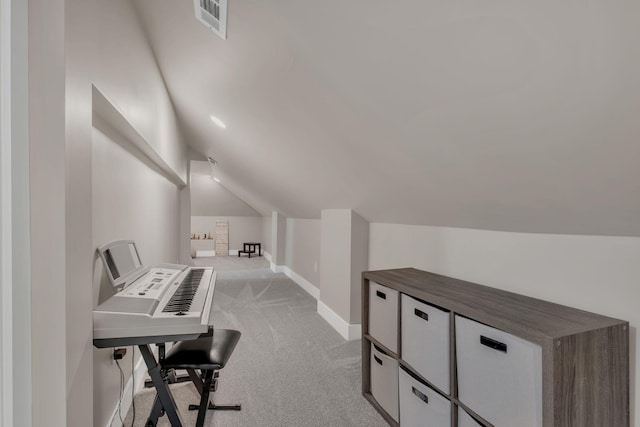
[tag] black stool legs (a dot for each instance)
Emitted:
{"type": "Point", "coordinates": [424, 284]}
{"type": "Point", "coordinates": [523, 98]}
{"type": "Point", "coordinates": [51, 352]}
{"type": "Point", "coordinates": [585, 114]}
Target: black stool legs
{"type": "Point", "coordinates": [208, 354]}
{"type": "Point", "coordinates": [204, 397]}
{"type": "Point", "coordinates": [164, 402]}
{"type": "Point", "coordinates": [200, 386]}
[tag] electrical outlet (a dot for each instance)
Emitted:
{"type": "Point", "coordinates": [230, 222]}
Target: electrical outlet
{"type": "Point", "coordinates": [118, 353]}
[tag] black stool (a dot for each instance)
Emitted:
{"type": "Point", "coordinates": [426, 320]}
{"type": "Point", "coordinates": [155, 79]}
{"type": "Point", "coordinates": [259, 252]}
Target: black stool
{"type": "Point", "coordinates": [207, 354]}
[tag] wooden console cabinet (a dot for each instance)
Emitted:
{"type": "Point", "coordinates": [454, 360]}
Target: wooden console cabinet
{"type": "Point", "coordinates": [483, 356]}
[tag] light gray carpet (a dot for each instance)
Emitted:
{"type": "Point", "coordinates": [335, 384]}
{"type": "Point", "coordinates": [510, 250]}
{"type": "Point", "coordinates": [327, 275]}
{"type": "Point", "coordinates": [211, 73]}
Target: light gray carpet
{"type": "Point", "coordinates": [290, 367]}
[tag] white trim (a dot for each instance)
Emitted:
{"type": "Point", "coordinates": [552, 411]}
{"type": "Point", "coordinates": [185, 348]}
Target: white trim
{"type": "Point", "coordinates": [203, 253]}
{"type": "Point", "coordinates": [277, 268]}
{"type": "Point", "coordinates": [302, 282]}
{"type": "Point", "coordinates": [200, 254]}
{"type": "Point", "coordinates": [15, 288]}
{"type": "Point", "coordinates": [272, 266]}
{"type": "Point", "coordinates": [6, 297]}
{"type": "Point", "coordinates": [139, 375]}
{"type": "Point", "coordinates": [6, 260]}
{"type": "Point", "coordinates": [107, 118]}
{"type": "Point", "coordinates": [350, 332]}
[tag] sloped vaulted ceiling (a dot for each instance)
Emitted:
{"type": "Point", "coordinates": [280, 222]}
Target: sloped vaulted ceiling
{"type": "Point", "coordinates": [517, 116]}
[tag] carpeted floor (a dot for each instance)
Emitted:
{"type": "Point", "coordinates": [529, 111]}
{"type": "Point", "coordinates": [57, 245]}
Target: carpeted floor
{"type": "Point", "coordinates": [232, 263]}
{"type": "Point", "coordinates": [290, 367]}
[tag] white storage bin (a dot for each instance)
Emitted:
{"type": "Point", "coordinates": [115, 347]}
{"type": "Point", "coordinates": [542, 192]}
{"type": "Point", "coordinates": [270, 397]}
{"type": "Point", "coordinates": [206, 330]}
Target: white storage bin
{"type": "Point", "coordinates": [425, 341]}
{"type": "Point", "coordinates": [383, 315]}
{"type": "Point", "coordinates": [384, 381]}
{"type": "Point", "coordinates": [420, 405]}
{"type": "Point", "coordinates": [499, 375]}
{"type": "Point", "coordinates": [466, 420]}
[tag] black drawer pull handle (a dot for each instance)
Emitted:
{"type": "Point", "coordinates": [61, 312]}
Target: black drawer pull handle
{"type": "Point", "coordinates": [381, 295]}
{"type": "Point", "coordinates": [377, 360]}
{"type": "Point", "coordinates": [421, 314]}
{"type": "Point", "coordinates": [496, 345]}
{"type": "Point", "coordinates": [420, 395]}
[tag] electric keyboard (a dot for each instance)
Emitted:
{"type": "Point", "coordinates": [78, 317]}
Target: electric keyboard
{"type": "Point", "coordinates": [164, 303]}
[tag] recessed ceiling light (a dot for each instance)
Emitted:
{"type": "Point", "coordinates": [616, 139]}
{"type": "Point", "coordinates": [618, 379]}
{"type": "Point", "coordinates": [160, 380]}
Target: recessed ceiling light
{"type": "Point", "coordinates": [217, 121]}
{"type": "Point", "coordinates": [215, 178]}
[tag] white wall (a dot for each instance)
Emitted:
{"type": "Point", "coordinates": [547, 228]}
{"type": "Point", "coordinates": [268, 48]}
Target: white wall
{"type": "Point", "coordinates": [121, 206]}
{"type": "Point", "coordinates": [185, 226]}
{"type": "Point", "coordinates": [105, 46]}
{"type": "Point", "coordinates": [594, 273]}
{"type": "Point", "coordinates": [302, 249]}
{"type": "Point", "coordinates": [241, 229]}
{"type": "Point", "coordinates": [266, 234]}
{"type": "Point", "coordinates": [335, 276]}
{"type": "Point", "coordinates": [278, 237]}
{"type": "Point", "coordinates": [122, 202]}
{"type": "Point", "coordinates": [49, 279]}
{"type": "Point", "coordinates": [15, 266]}
{"type": "Point", "coordinates": [359, 263]}
{"type": "Point", "coordinates": [210, 198]}
{"type": "Point", "coordinates": [344, 251]}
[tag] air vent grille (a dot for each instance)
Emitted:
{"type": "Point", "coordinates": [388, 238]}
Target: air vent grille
{"type": "Point", "coordinates": [213, 14]}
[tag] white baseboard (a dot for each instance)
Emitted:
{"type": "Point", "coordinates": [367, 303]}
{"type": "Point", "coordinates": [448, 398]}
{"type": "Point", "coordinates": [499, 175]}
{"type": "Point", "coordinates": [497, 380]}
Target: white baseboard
{"type": "Point", "coordinates": [200, 254]}
{"type": "Point", "coordinates": [272, 266]}
{"type": "Point", "coordinates": [139, 374]}
{"type": "Point", "coordinates": [348, 331]}
{"type": "Point", "coordinates": [302, 282]}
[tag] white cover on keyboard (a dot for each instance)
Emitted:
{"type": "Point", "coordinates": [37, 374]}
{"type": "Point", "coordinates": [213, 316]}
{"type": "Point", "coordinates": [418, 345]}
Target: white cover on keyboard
{"type": "Point", "coordinates": [137, 311]}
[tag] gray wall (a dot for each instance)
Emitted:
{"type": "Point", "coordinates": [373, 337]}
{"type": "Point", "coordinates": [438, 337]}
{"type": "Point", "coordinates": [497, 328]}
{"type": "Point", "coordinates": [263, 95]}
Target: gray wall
{"type": "Point", "coordinates": [211, 202]}
{"type": "Point", "coordinates": [209, 198]}
{"type": "Point", "coordinates": [359, 263]}
{"type": "Point", "coordinates": [105, 46]}
{"type": "Point", "coordinates": [121, 206]}
{"type": "Point", "coordinates": [335, 271]}
{"type": "Point", "coordinates": [266, 234]}
{"type": "Point", "coordinates": [278, 238]}
{"type": "Point", "coordinates": [52, 364]}
{"type": "Point", "coordinates": [241, 229]}
{"type": "Point", "coordinates": [345, 254]}
{"type": "Point", "coordinates": [302, 254]}
{"type": "Point", "coordinates": [594, 273]}
{"type": "Point", "coordinates": [185, 226]}
{"type": "Point", "coordinates": [282, 238]}
{"type": "Point", "coordinates": [15, 259]}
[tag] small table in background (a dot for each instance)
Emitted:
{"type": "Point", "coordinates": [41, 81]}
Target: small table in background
{"type": "Point", "coordinates": [250, 248]}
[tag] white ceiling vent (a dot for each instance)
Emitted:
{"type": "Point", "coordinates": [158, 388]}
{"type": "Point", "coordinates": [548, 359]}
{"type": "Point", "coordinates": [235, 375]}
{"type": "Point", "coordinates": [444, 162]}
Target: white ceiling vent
{"type": "Point", "coordinates": [213, 14]}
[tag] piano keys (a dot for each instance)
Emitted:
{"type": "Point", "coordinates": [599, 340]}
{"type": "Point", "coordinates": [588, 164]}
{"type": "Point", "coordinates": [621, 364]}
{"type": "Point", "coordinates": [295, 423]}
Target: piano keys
{"type": "Point", "coordinates": [161, 303]}
{"type": "Point", "coordinates": [180, 301]}
{"type": "Point", "coordinates": [154, 305]}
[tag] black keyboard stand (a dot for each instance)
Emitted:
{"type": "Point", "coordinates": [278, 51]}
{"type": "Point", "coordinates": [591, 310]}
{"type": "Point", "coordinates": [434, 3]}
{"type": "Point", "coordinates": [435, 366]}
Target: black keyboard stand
{"type": "Point", "coordinates": [164, 402]}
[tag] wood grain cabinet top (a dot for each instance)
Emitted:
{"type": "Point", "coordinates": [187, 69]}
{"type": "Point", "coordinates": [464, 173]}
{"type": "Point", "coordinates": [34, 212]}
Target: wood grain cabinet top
{"type": "Point", "coordinates": [585, 356]}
